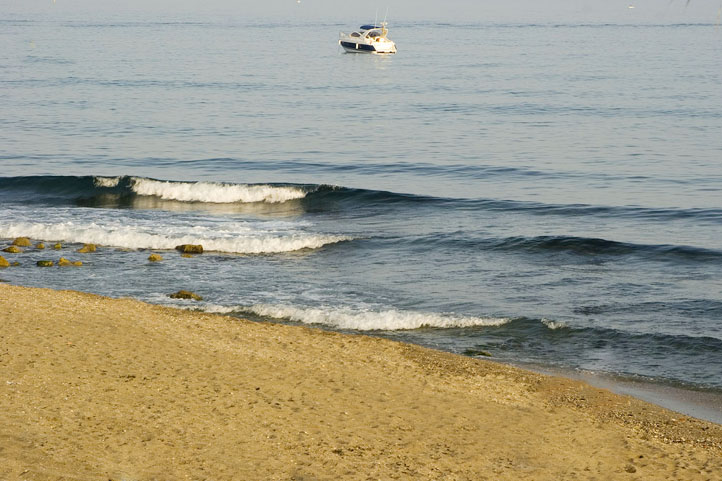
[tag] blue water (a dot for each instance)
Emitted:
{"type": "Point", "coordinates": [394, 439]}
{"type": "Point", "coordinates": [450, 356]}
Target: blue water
{"type": "Point", "coordinates": [548, 194]}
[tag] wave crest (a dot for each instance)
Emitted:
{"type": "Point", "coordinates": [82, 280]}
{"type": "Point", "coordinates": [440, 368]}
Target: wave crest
{"type": "Point", "coordinates": [107, 182]}
{"type": "Point", "coordinates": [367, 320]}
{"type": "Point", "coordinates": [213, 192]}
{"type": "Point", "coordinates": [135, 237]}
{"type": "Point", "coordinates": [554, 325]}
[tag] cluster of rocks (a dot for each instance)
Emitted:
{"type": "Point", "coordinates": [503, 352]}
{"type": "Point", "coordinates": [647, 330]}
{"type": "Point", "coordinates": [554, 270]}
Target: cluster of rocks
{"type": "Point", "coordinates": [186, 250]}
{"type": "Point", "coordinates": [21, 243]}
{"type": "Point", "coordinates": [62, 262]}
{"type": "Point", "coordinates": [17, 246]}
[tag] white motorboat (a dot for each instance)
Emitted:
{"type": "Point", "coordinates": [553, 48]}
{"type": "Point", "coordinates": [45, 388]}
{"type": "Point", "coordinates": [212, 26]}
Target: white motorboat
{"type": "Point", "coordinates": [368, 39]}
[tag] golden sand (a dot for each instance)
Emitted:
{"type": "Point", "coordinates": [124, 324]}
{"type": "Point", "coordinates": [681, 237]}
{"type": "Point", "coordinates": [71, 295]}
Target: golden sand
{"type": "Point", "coordinates": [97, 388]}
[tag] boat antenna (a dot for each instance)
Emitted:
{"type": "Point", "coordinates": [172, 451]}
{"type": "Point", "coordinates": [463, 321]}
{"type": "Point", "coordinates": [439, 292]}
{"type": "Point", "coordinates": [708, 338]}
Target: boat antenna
{"type": "Point", "coordinates": [387, 14]}
{"type": "Point", "coordinates": [376, 19]}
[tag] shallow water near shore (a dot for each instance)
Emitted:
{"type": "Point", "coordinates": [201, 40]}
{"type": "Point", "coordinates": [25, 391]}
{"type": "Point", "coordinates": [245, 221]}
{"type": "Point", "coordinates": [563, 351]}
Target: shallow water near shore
{"type": "Point", "coordinates": [546, 194]}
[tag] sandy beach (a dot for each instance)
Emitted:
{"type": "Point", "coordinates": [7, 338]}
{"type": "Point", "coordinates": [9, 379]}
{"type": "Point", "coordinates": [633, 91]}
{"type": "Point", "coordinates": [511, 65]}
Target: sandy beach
{"type": "Point", "coordinates": [93, 388]}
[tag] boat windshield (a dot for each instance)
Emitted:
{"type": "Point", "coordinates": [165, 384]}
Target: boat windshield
{"type": "Point", "coordinates": [375, 33]}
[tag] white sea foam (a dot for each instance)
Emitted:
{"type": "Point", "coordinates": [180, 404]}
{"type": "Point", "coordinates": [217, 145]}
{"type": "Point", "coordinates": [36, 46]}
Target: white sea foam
{"type": "Point", "coordinates": [143, 237]}
{"type": "Point", "coordinates": [364, 320]}
{"type": "Point", "coordinates": [106, 181]}
{"type": "Point", "coordinates": [553, 325]}
{"type": "Point", "coordinates": [213, 192]}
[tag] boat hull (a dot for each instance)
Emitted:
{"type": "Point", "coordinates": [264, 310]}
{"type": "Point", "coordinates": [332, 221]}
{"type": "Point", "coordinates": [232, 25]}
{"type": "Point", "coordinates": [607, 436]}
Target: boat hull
{"type": "Point", "coordinates": [357, 47]}
{"type": "Point", "coordinates": [354, 47]}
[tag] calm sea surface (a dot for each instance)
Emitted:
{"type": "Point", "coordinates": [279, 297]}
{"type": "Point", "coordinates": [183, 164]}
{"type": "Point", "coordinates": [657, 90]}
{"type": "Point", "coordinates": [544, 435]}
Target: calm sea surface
{"type": "Point", "coordinates": [547, 194]}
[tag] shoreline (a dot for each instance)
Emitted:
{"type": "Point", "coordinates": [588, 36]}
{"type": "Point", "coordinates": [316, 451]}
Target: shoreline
{"type": "Point", "coordinates": [700, 404]}
{"type": "Point", "coordinates": [99, 388]}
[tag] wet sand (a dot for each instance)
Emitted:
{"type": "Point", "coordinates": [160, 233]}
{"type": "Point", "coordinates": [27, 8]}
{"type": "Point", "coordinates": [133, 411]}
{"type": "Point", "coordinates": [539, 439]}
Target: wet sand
{"type": "Point", "coordinates": [699, 404]}
{"type": "Point", "coordinates": [97, 388]}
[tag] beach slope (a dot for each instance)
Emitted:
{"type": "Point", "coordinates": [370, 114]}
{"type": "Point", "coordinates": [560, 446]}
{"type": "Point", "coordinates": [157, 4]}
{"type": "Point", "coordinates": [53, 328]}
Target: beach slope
{"type": "Point", "coordinates": [93, 388]}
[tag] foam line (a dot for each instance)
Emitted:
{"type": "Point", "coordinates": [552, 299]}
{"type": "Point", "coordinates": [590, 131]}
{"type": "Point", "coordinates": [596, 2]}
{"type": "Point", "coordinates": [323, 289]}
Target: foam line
{"type": "Point", "coordinates": [213, 192]}
{"type": "Point", "coordinates": [368, 320]}
{"type": "Point", "coordinates": [134, 237]}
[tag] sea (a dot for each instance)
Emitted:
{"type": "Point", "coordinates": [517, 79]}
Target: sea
{"type": "Point", "coordinates": [542, 194]}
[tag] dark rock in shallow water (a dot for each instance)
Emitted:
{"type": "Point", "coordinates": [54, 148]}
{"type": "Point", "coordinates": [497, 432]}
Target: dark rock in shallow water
{"type": "Point", "coordinates": [58, 246]}
{"type": "Point", "coordinates": [40, 245]}
{"type": "Point", "coordinates": [4, 262]}
{"type": "Point", "coordinates": [12, 250]}
{"type": "Point", "coordinates": [190, 249]}
{"type": "Point", "coordinates": [185, 295]}
{"type": "Point", "coordinates": [155, 258]}
{"type": "Point", "coordinates": [476, 353]}
{"type": "Point", "coordinates": [45, 263]}
{"type": "Point", "coordinates": [65, 262]}
{"type": "Point", "coordinates": [87, 248]}
{"type": "Point", "coordinates": [22, 242]}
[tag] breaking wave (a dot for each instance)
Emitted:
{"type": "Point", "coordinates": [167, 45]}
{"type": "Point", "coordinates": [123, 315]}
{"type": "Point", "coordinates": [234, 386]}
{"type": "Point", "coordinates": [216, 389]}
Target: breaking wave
{"type": "Point", "coordinates": [361, 320]}
{"type": "Point", "coordinates": [141, 237]}
{"type": "Point", "coordinates": [100, 190]}
{"type": "Point", "coordinates": [213, 192]}
{"type": "Point", "coordinates": [554, 325]}
{"type": "Point", "coordinates": [87, 189]}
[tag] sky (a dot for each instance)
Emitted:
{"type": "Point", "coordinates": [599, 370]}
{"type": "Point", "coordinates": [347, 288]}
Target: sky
{"type": "Point", "coordinates": [400, 11]}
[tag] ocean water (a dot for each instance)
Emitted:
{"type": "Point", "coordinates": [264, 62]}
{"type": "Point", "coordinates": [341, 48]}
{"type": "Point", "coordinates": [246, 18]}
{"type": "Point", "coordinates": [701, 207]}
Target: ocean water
{"type": "Point", "coordinates": [549, 194]}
